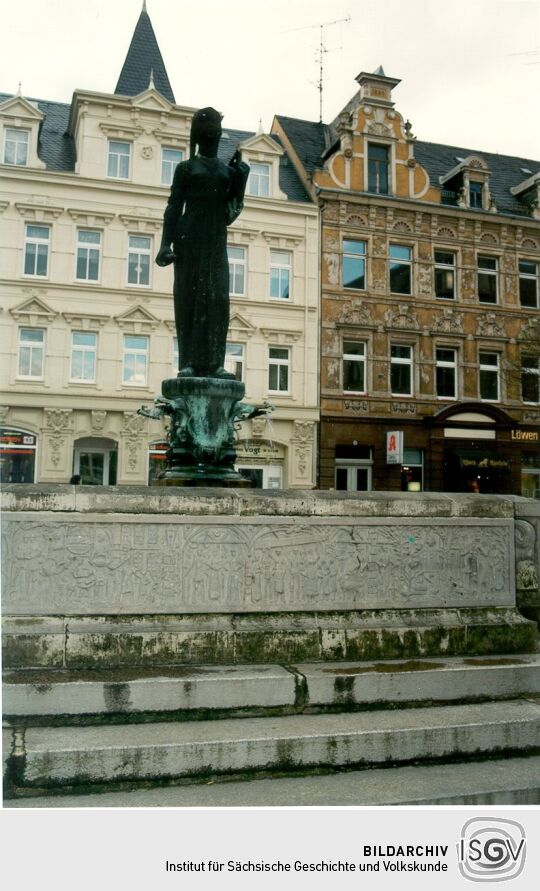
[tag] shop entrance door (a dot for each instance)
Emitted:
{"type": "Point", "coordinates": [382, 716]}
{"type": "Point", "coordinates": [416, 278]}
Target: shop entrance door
{"type": "Point", "coordinates": [95, 461]}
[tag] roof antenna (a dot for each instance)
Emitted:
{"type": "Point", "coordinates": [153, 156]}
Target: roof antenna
{"type": "Point", "coordinates": [321, 52]}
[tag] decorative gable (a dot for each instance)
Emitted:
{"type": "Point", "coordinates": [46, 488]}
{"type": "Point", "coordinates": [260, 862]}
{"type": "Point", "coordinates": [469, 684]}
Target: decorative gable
{"type": "Point", "coordinates": [262, 149]}
{"type": "Point", "coordinates": [18, 113]}
{"type": "Point", "coordinates": [33, 311]}
{"type": "Point", "coordinates": [152, 100]}
{"type": "Point", "coordinates": [240, 327]}
{"type": "Point", "coordinates": [137, 320]}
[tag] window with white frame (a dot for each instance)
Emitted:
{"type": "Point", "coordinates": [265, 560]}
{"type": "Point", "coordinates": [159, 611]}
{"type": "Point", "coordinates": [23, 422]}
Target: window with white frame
{"type": "Point", "coordinates": [237, 270]}
{"type": "Point", "coordinates": [31, 353]}
{"type": "Point", "coordinates": [528, 283]}
{"type": "Point", "coordinates": [400, 269]}
{"type": "Point", "coordinates": [530, 379]}
{"type": "Point", "coordinates": [234, 360]}
{"type": "Point", "coordinates": [135, 370]}
{"type": "Point", "coordinates": [175, 355]}
{"type": "Point", "coordinates": [354, 264]}
{"type": "Point", "coordinates": [446, 373]}
{"type": "Point", "coordinates": [139, 260]}
{"type": "Point", "coordinates": [401, 370]}
{"type": "Point", "coordinates": [16, 144]}
{"type": "Point", "coordinates": [83, 357]}
{"type": "Point", "coordinates": [489, 369]}
{"type": "Point", "coordinates": [36, 250]}
{"type": "Point", "coordinates": [476, 191]}
{"type": "Point", "coordinates": [353, 468]}
{"type": "Point", "coordinates": [258, 183]}
{"type": "Point", "coordinates": [118, 159]}
{"type": "Point", "coordinates": [280, 274]}
{"type": "Point", "coordinates": [170, 159]}
{"type": "Point", "coordinates": [487, 279]}
{"type": "Point", "coordinates": [88, 255]}
{"type": "Point", "coordinates": [445, 275]}
{"type": "Point", "coordinates": [378, 168]}
{"type": "Point", "coordinates": [279, 362]}
{"type": "Point", "coordinates": [354, 366]}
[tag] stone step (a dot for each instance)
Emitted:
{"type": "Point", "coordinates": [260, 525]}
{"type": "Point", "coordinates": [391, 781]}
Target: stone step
{"type": "Point", "coordinates": [47, 757]}
{"type": "Point", "coordinates": [210, 689]}
{"type": "Point", "coordinates": [508, 781]}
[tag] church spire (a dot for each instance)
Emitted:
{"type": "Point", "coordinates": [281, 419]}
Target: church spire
{"type": "Point", "coordinates": [144, 62]}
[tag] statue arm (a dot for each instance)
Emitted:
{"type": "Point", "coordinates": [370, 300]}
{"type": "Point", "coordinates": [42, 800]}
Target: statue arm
{"type": "Point", "coordinates": [173, 211]}
{"type": "Point", "coordinates": [240, 172]}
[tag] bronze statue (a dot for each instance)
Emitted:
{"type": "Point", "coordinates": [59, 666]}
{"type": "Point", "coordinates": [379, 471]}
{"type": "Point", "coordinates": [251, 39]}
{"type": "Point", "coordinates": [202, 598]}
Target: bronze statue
{"type": "Point", "coordinates": [206, 196]}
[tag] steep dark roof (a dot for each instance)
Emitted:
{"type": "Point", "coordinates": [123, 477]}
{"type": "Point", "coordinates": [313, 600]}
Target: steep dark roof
{"type": "Point", "coordinates": [289, 181]}
{"type": "Point", "coordinates": [311, 140]}
{"type": "Point", "coordinates": [506, 170]}
{"type": "Point", "coordinates": [143, 60]}
{"type": "Point", "coordinates": [55, 146]}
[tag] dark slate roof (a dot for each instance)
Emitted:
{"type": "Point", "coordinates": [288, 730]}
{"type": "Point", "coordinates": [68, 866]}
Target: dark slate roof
{"type": "Point", "coordinates": [56, 147]}
{"type": "Point", "coordinates": [289, 181]}
{"type": "Point", "coordinates": [506, 170]}
{"type": "Point", "coordinates": [312, 140]}
{"type": "Point", "coordinates": [143, 59]}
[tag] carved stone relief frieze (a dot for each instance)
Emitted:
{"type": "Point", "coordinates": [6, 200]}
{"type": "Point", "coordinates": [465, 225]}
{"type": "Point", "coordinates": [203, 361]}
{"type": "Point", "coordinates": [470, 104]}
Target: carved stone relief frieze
{"type": "Point", "coordinates": [403, 408]}
{"type": "Point", "coordinates": [185, 566]}
{"type": "Point", "coordinates": [302, 440]}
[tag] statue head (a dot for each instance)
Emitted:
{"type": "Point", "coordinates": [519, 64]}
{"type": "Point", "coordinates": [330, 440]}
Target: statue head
{"type": "Point", "coordinates": [205, 129]}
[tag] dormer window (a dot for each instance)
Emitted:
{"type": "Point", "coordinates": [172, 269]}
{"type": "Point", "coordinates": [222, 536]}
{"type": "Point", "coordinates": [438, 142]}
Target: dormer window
{"type": "Point", "coordinates": [258, 183]}
{"type": "Point", "coordinates": [378, 168]}
{"type": "Point", "coordinates": [475, 194]}
{"type": "Point", "coordinates": [118, 161]}
{"type": "Point", "coordinates": [16, 147]}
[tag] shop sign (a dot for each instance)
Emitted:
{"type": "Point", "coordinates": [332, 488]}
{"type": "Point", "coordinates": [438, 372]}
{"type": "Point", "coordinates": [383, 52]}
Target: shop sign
{"type": "Point", "coordinates": [486, 463]}
{"type": "Point", "coordinates": [526, 435]}
{"type": "Point", "coordinates": [394, 447]}
{"type": "Point", "coordinates": [258, 449]}
{"type": "Point", "coordinates": [16, 442]}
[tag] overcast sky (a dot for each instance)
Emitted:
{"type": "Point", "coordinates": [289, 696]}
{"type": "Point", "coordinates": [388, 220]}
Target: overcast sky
{"type": "Point", "coordinates": [470, 69]}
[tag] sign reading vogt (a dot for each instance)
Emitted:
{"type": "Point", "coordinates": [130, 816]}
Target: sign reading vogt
{"type": "Point", "coordinates": [394, 447]}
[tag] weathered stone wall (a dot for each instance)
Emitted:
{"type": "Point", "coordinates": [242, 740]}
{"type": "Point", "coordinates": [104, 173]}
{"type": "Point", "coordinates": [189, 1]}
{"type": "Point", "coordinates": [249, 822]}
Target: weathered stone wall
{"type": "Point", "coordinates": [104, 575]}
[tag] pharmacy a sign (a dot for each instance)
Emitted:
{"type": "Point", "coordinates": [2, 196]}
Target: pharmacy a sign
{"type": "Point", "coordinates": [394, 447]}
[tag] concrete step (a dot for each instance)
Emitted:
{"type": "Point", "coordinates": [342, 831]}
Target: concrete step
{"type": "Point", "coordinates": [189, 689]}
{"type": "Point", "coordinates": [55, 756]}
{"type": "Point", "coordinates": [508, 781]}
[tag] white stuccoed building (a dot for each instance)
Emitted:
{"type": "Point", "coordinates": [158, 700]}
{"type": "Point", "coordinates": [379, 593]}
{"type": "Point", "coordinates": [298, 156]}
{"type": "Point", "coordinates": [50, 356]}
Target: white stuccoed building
{"type": "Point", "coordinates": [87, 322]}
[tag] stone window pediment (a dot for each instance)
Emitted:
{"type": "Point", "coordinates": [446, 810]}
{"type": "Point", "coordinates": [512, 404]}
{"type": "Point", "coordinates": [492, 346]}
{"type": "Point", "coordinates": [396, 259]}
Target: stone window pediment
{"type": "Point", "coordinates": [139, 223]}
{"type": "Point", "coordinates": [41, 213]}
{"type": "Point", "coordinates": [91, 218]}
{"type": "Point", "coordinates": [33, 311]}
{"type": "Point", "coordinates": [137, 320]}
{"type": "Point", "coordinates": [240, 327]}
{"type": "Point", "coordinates": [85, 321]}
{"type": "Point", "coordinates": [281, 336]}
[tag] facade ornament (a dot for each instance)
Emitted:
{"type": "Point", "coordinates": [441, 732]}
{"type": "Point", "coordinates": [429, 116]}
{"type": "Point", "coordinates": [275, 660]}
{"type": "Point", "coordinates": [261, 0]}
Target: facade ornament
{"type": "Point", "coordinates": [133, 428]}
{"type": "Point", "coordinates": [58, 420]}
{"type": "Point", "coordinates": [403, 317]}
{"type": "Point", "coordinates": [258, 427]}
{"type": "Point", "coordinates": [4, 411]}
{"type": "Point", "coordinates": [98, 420]}
{"type": "Point", "coordinates": [489, 326]}
{"type": "Point", "coordinates": [356, 314]}
{"type": "Point", "coordinates": [332, 267]}
{"type": "Point", "coordinates": [378, 129]}
{"type": "Point", "coordinates": [302, 439]}
{"type": "Point", "coordinates": [449, 322]}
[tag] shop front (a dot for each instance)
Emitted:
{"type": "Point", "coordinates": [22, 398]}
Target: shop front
{"type": "Point", "coordinates": [262, 462]}
{"type": "Point", "coordinates": [17, 455]}
{"type": "Point", "coordinates": [479, 448]}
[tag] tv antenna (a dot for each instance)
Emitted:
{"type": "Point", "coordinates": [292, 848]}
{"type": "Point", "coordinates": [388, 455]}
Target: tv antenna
{"type": "Point", "coordinates": [321, 52]}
